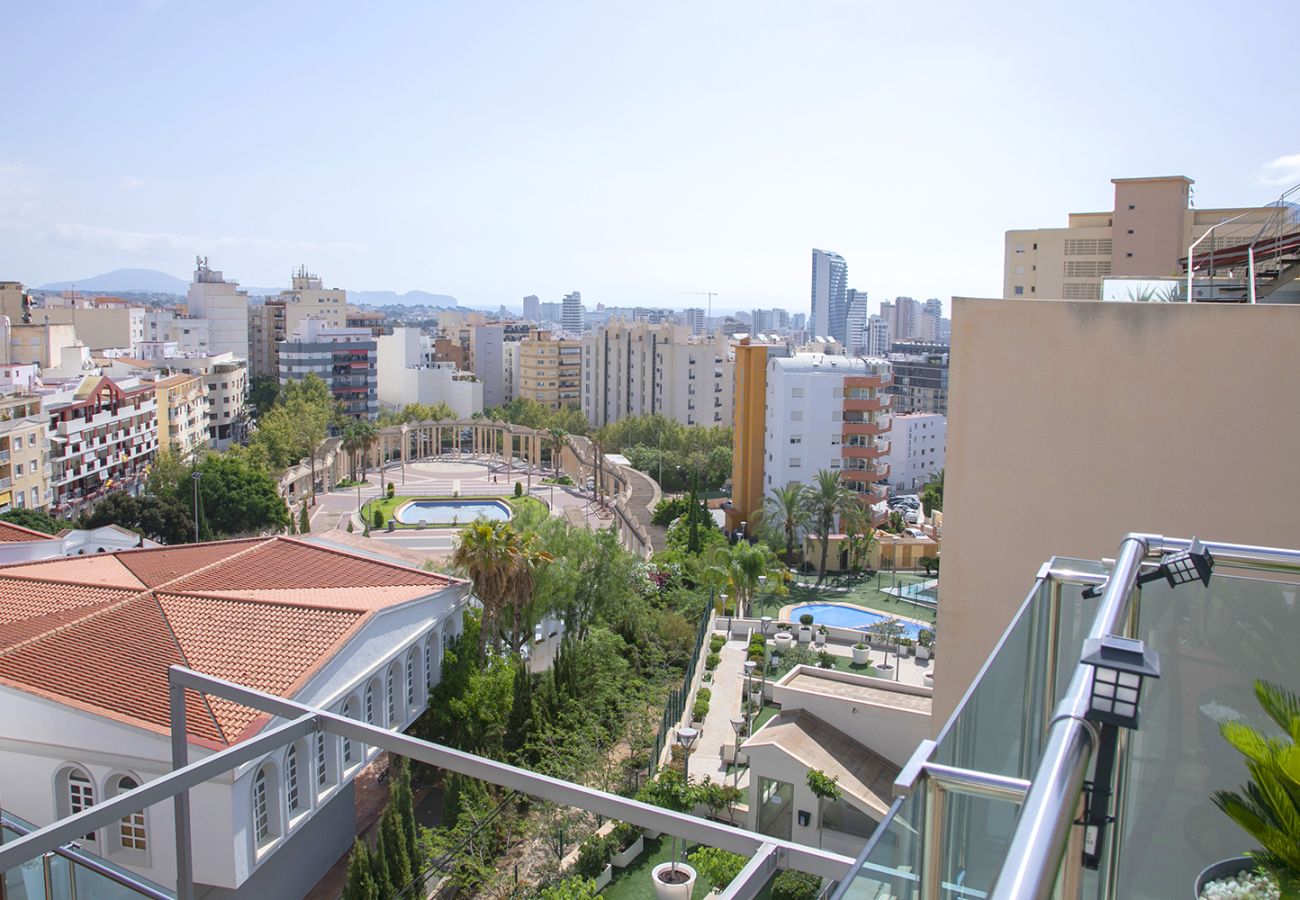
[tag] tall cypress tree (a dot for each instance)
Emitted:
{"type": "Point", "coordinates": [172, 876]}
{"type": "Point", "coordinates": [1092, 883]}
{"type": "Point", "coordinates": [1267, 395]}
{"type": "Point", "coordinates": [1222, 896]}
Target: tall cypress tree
{"type": "Point", "coordinates": [379, 868]}
{"type": "Point", "coordinates": [361, 883]}
{"type": "Point", "coordinates": [404, 799]}
{"type": "Point", "coordinates": [399, 863]}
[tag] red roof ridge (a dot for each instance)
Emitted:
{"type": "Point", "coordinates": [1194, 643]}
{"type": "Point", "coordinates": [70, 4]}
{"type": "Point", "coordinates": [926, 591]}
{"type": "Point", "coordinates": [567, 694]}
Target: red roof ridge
{"type": "Point", "coordinates": [257, 543]}
{"type": "Point", "coordinates": [261, 601]}
{"type": "Point", "coordinates": [180, 651]}
{"type": "Point", "coordinates": [447, 580]}
{"type": "Point", "coordinates": [68, 582]}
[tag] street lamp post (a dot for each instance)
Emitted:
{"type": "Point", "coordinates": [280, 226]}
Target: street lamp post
{"type": "Point", "coordinates": [738, 725]}
{"type": "Point", "coordinates": [195, 478]}
{"type": "Point", "coordinates": [687, 737]}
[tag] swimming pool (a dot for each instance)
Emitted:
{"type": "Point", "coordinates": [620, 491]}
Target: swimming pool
{"type": "Point", "coordinates": [848, 617]}
{"type": "Point", "coordinates": [451, 512]}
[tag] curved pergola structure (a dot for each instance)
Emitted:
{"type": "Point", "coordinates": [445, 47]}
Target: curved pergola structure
{"type": "Point", "coordinates": [631, 495]}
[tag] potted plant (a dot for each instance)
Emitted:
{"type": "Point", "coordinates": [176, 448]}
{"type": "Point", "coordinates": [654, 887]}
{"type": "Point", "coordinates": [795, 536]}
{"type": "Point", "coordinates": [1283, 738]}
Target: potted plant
{"type": "Point", "coordinates": [805, 628]}
{"type": "Point", "coordinates": [717, 867]}
{"type": "Point", "coordinates": [1265, 806]}
{"type": "Point", "coordinates": [593, 860]}
{"type": "Point", "coordinates": [792, 885]}
{"type": "Point", "coordinates": [861, 654]}
{"type": "Point", "coordinates": [821, 635]}
{"type": "Point", "coordinates": [905, 646]}
{"type": "Point", "coordinates": [627, 843]}
{"type": "Point", "coordinates": [783, 637]}
{"type": "Point", "coordinates": [672, 880]}
{"type": "Point", "coordinates": [924, 644]}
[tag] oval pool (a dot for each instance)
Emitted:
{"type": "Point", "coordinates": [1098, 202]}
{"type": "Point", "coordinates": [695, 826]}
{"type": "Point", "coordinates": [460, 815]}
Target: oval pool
{"type": "Point", "coordinates": [451, 512]}
{"type": "Point", "coordinates": [848, 617]}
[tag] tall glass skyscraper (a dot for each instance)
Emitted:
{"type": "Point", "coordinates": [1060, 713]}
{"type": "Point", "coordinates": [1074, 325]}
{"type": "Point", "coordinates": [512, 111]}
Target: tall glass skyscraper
{"type": "Point", "coordinates": [829, 314]}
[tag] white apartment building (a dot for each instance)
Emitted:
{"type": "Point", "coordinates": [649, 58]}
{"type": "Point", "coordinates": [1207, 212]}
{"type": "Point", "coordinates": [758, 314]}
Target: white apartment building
{"type": "Point", "coordinates": [487, 350]}
{"type": "Point", "coordinates": [830, 274]}
{"type": "Point", "coordinates": [407, 374]}
{"type": "Point", "coordinates": [694, 319]}
{"type": "Point", "coordinates": [856, 321]}
{"type": "Point", "coordinates": [510, 370]}
{"type": "Point", "coordinates": [99, 327]}
{"type": "Point", "coordinates": [877, 343]}
{"type": "Point", "coordinates": [636, 368]}
{"type": "Point", "coordinates": [571, 313]}
{"type": "Point", "coordinates": [917, 448]}
{"type": "Point", "coordinates": [225, 307]}
{"type": "Point", "coordinates": [103, 435]}
{"type": "Point", "coordinates": [344, 358]}
{"type": "Point", "coordinates": [827, 412]}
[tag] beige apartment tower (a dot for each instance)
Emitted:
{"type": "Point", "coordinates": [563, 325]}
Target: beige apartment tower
{"type": "Point", "coordinates": [550, 370]}
{"type": "Point", "coordinates": [1144, 236]}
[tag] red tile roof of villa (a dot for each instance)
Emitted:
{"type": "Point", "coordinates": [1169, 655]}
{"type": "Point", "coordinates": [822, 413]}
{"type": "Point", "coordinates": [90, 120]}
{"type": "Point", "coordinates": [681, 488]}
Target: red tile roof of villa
{"type": "Point", "coordinates": [11, 533]}
{"type": "Point", "coordinates": [98, 633]}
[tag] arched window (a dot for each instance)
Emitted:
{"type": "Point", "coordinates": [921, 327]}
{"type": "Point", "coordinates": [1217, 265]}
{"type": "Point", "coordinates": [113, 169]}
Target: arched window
{"type": "Point", "coordinates": [322, 764]}
{"type": "Point", "coordinates": [394, 679]}
{"type": "Point", "coordinates": [370, 703]}
{"type": "Point", "coordinates": [292, 794]}
{"type": "Point", "coordinates": [349, 710]}
{"type": "Point", "coordinates": [266, 812]}
{"type": "Point", "coordinates": [130, 828]}
{"type": "Point", "coordinates": [428, 663]}
{"type": "Point", "coordinates": [412, 661]}
{"type": "Point", "coordinates": [74, 793]}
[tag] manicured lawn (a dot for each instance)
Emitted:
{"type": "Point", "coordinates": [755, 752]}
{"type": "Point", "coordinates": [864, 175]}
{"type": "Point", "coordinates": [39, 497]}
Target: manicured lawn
{"type": "Point", "coordinates": [633, 883]}
{"type": "Point", "coordinates": [863, 593]}
{"type": "Point", "coordinates": [388, 505]}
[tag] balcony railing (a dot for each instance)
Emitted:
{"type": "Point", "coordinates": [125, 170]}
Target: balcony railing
{"type": "Point", "coordinates": [989, 809]}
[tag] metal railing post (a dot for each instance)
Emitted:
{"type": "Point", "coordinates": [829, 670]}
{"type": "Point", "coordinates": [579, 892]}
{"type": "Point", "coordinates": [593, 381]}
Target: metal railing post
{"type": "Point", "coordinates": [181, 802]}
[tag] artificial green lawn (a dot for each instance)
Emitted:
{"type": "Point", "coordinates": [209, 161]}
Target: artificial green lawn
{"type": "Point", "coordinates": [633, 883]}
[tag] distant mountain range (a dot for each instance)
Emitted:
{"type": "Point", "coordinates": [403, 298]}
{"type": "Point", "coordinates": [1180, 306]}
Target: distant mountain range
{"type": "Point", "coordinates": [145, 281]}
{"type": "Point", "coordinates": [150, 281]}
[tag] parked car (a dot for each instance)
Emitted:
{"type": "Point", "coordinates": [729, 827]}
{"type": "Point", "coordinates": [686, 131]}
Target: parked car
{"type": "Point", "coordinates": [914, 533]}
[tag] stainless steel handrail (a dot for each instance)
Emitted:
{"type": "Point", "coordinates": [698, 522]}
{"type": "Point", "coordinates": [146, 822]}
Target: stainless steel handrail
{"type": "Point", "coordinates": [96, 865]}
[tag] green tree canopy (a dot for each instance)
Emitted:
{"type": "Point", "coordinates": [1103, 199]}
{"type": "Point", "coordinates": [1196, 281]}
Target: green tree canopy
{"type": "Point", "coordinates": [35, 519]}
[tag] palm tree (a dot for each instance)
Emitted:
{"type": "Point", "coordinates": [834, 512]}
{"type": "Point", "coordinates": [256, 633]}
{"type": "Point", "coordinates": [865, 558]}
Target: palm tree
{"type": "Point", "coordinates": [825, 499]}
{"type": "Point", "coordinates": [859, 533]}
{"type": "Point", "coordinates": [740, 567]}
{"type": "Point", "coordinates": [485, 553]}
{"type": "Point", "coordinates": [785, 510]}
{"type": "Point", "coordinates": [557, 435]}
{"type": "Point", "coordinates": [358, 437]}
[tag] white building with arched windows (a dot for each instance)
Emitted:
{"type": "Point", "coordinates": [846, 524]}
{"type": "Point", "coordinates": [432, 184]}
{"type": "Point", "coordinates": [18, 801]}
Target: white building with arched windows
{"type": "Point", "coordinates": [85, 643]}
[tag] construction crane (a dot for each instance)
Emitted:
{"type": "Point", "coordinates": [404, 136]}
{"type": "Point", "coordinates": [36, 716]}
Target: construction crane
{"type": "Point", "coordinates": [709, 294]}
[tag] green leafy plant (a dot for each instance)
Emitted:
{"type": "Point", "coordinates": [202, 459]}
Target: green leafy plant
{"type": "Point", "coordinates": [716, 643]}
{"type": "Point", "coordinates": [570, 889]}
{"type": "Point", "coordinates": [925, 638]}
{"type": "Point", "coordinates": [1268, 806]}
{"type": "Point", "coordinates": [826, 659]}
{"type": "Point", "coordinates": [823, 786]}
{"type": "Point", "coordinates": [792, 885]}
{"type": "Point", "coordinates": [519, 488]}
{"type": "Point", "coordinates": [392, 490]}
{"type": "Point", "coordinates": [377, 520]}
{"type": "Point", "coordinates": [806, 619]}
{"type": "Point", "coordinates": [704, 694]}
{"type": "Point", "coordinates": [700, 709]}
{"type": "Point", "coordinates": [593, 856]}
{"type": "Point", "coordinates": [716, 867]}
{"type": "Point", "coordinates": [623, 836]}
{"type": "Point", "coordinates": [711, 661]}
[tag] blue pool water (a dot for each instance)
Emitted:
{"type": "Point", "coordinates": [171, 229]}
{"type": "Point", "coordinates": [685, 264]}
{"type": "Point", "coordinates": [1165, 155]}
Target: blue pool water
{"type": "Point", "coordinates": [452, 512]}
{"type": "Point", "coordinates": [846, 617]}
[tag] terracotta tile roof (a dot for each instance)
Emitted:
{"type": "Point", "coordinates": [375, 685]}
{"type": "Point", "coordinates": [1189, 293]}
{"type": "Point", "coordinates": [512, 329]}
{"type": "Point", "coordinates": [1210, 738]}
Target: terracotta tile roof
{"type": "Point", "coordinates": [99, 632]}
{"type": "Point", "coordinates": [9, 533]}
{"type": "Point", "coordinates": [164, 564]}
{"type": "Point", "coordinates": [104, 569]}
{"type": "Point", "coordinates": [285, 563]}
{"type": "Point", "coordinates": [30, 609]}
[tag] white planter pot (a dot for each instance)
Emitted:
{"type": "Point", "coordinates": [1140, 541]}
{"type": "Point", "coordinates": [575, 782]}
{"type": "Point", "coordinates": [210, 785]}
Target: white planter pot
{"type": "Point", "coordinates": [922, 651]}
{"type": "Point", "coordinates": [756, 697]}
{"type": "Point", "coordinates": [903, 651]}
{"type": "Point", "coordinates": [628, 856]}
{"type": "Point", "coordinates": [861, 656]}
{"type": "Point", "coordinates": [681, 891]}
{"type": "Point", "coordinates": [783, 641]}
{"type": "Point", "coordinates": [821, 639]}
{"type": "Point", "coordinates": [605, 877]}
{"type": "Point", "coordinates": [805, 634]}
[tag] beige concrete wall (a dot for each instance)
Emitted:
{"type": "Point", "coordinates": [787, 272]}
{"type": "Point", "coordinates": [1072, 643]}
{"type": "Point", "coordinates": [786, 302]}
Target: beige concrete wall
{"type": "Point", "coordinates": [1074, 423]}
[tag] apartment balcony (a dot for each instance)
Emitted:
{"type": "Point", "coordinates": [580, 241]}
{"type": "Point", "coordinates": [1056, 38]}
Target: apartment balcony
{"type": "Point", "coordinates": [881, 380]}
{"type": "Point", "coordinates": [865, 428]}
{"type": "Point", "coordinates": [992, 808]}
{"type": "Point", "coordinates": [860, 451]}
{"type": "Point", "coordinates": [878, 403]}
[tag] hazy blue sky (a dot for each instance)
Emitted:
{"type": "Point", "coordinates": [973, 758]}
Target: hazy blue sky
{"type": "Point", "coordinates": [630, 151]}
